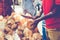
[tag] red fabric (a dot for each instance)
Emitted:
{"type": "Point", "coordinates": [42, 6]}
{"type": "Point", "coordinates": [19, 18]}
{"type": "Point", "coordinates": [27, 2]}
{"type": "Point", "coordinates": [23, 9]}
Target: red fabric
{"type": "Point", "coordinates": [57, 2]}
{"type": "Point", "coordinates": [1, 8]}
{"type": "Point", "coordinates": [5, 7]}
{"type": "Point", "coordinates": [47, 5]}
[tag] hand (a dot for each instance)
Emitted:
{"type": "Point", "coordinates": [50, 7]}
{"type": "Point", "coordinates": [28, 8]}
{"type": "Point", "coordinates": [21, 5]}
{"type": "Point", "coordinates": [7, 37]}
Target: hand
{"type": "Point", "coordinates": [35, 24]}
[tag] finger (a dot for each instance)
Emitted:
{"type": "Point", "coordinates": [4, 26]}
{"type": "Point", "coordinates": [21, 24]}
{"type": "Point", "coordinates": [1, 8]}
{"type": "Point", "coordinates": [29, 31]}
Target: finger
{"type": "Point", "coordinates": [31, 25]}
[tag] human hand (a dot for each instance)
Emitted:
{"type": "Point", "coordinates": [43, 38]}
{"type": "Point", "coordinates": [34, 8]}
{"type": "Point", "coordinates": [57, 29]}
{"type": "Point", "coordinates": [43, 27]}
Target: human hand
{"type": "Point", "coordinates": [35, 23]}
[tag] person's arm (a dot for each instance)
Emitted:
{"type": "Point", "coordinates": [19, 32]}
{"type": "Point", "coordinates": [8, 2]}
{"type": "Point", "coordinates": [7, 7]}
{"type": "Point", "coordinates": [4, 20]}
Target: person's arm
{"type": "Point", "coordinates": [29, 17]}
{"type": "Point", "coordinates": [49, 15]}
